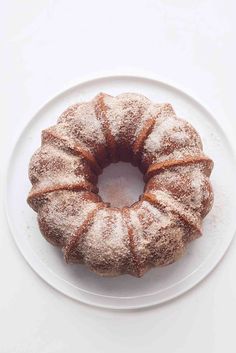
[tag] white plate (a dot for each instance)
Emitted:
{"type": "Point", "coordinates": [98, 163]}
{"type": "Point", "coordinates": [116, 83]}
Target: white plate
{"type": "Point", "coordinates": [158, 285]}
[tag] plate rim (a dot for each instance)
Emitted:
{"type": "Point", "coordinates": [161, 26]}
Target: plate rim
{"type": "Point", "coordinates": [41, 273]}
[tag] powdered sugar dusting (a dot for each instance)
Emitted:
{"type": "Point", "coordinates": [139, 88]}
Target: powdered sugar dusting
{"type": "Point", "coordinates": [63, 213]}
{"type": "Point", "coordinates": [51, 166]}
{"type": "Point", "coordinates": [157, 239]}
{"type": "Point", "coordinates": [105, 247]}
{"type": "Point", "coordinates": [124, 113]}
{"type": "Point", "coordinates": [172, 205]}
{"type": "Point", "coordinates": [156, 111]}
{"type": "Point", "coordinates": [172, 132]}
{"type": "Point", "coordinates": [188, 185]}
{"type": "Point", "coordinates": [82, 127]}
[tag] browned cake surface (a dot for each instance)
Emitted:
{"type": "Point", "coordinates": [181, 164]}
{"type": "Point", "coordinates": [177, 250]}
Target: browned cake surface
{"type": "Point", "coordinates": [153, 231]}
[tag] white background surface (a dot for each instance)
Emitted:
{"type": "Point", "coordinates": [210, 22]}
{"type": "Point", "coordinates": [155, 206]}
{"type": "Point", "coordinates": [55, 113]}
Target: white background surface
{"type": "Point", "coordinates": [48, 45]}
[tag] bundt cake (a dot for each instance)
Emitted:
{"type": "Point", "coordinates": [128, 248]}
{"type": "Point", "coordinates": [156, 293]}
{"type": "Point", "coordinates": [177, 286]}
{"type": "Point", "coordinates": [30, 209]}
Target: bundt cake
{"type": "Point", "coordinates": [155, 230]}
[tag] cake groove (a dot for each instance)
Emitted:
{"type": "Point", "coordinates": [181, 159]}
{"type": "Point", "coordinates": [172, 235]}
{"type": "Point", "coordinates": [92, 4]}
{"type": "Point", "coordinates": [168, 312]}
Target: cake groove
{"type": "Point", "coordinates": [51, 137]}
{"type": "Point", "coordinates": [131, 242]}
{"type": "Point", "coordinates": [142, 136]}
{"type": "Point", "coordinates": [70, 246]}
{"type": "Point", "coordinates": [85, 186]}
{"type": "Point", "coordinates": [100, 111]}
{"type": "Point", "coordinates": [177, 210]}
{"type": "Point", "coordinates": [156, 168]}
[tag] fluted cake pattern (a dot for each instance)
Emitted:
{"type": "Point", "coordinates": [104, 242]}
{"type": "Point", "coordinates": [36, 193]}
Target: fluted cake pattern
{"type": "Point", "coordinates": [155, 230]}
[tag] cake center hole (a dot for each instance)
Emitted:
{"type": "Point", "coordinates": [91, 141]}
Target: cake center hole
{"type": "Point", "coordinates": [120, 184]}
